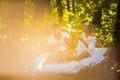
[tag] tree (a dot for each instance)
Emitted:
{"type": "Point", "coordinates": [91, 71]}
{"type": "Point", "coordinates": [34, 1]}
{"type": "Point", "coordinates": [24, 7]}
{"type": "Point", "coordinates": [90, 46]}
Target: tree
{"type": "Point", "coordinates": [4, 28]}
{"type": "Point", "coordinates": [73, 6]}
{"type": "Point", "coordinates": [59, 10]}
{"type": "Point", "coordinates": [68, 9]}
{"type": "Point", "coordinates": [97, 15]}
{"type": "Point", "coordinates": [16, 18]}
{"type": "Point", "coordinates": [38, 18]}
{"type": "Point", "coordinates": [114, 57]}
{"type": "Point", "coordinates": [40, 6]}
{"type": "Point", "coordinates": [116, 37]}
{"type": "Point", "coordinates": [37, 27]}
{"type": "Point", "coordinates": [68, 5]}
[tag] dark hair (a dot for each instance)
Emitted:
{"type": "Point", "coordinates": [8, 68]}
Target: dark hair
{"type": "Point", "coordinates": [85, 21]}
{"type": "Point", "coordinates": [89, 26]}
{"type": "Point", "coordinates": [55, 26]}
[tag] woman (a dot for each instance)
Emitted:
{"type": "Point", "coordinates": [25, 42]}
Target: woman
{"type": "Point", "coordinates": [84, 41]}
{"type": "Point", "coordinates": [86, 47]}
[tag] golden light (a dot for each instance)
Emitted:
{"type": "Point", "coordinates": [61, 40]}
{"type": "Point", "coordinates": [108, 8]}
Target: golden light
{"type": "Point", "coordinates": [27, 39]}
{"type": "Point", "coordinates": [22, 39]}
{"type": "Point", "coordinates": [69, 26]}
{"type": "Point", "coordinates": [5, 36]}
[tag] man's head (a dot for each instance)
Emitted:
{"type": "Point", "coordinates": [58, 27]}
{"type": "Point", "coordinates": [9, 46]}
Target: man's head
{"type": "Point", "coordinates": [57, 29]}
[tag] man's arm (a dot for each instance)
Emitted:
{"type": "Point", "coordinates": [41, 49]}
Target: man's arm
{"type": "Point", "coordinates": [68, 42]}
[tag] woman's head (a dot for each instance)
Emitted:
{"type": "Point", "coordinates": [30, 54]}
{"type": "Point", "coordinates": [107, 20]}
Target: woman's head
{"type": "Point", "coordinates": [87, 27]}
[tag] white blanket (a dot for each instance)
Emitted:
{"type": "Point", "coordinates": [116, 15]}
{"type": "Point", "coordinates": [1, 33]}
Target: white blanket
{"type": "Point", "coordinates": [71, 67]}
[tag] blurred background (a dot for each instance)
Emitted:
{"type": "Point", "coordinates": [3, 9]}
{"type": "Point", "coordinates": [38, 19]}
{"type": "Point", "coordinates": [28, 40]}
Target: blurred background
{"type": "Point", "coordinates": [26, 24]}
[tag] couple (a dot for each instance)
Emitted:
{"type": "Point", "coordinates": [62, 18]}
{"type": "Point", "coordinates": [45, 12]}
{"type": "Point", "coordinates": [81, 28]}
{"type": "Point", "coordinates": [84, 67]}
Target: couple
{"type": "Point", "coordinates": [62, 58]}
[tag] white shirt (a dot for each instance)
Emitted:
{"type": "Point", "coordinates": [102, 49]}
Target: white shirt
{"type": "Point", "coordinates": [80, 45]}
{"type": "Point", "coordinates": [52, 40]}
{"type": "Point", "coordinates": [91, 40]}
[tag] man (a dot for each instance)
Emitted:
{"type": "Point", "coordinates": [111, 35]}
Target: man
{"type": "Point", "coordinates": [60, 45]}
{"type": "Point", "coordinates": [59, 40]}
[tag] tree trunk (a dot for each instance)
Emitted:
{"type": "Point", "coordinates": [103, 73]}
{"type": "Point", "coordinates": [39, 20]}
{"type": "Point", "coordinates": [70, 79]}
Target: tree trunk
{"type": "Point", "coordinates": [97, 16]}
{"type": "Point", "coordinates": [38, 18]}
{"type": "Point", "coordinates": [73, 6]}
{"type": "Point", "coordinates": [40, 6]}
{"type": "Point", "coordinates": [37, 30]}
{"type": "Point", "coordinates": [59, 10]}
{"type": "Point", "coordinates": [115, 51]}
{"type": "Point", "coordinates": [16, 17]}
{"type": "Point", "coordinates": [68, 5]}
{"type": "Point", "coordinates": [4, 28]}
{"type": "Point", "coordinates": [68, 8]}
{"type": "Point", "coordinates": [116, 38]}
{"type": "Point", "coordinates": [48, 6]}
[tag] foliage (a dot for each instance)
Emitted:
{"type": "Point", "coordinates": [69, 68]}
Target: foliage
{"type": "Point", "coordinates": [29, 10]}
{"type": "Point", "coordinates": [105, 35]}
{"type": "Point", "coordinates": [84, 10]}
{"type": "Point", "coordinates": [4, 29]}
{"type": "Point", "coordinates": [71, 22]}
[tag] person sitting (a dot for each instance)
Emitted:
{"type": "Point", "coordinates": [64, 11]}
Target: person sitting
{"type": "Point", "coordinates": [58, 40]}
{"type": "Point", "coordinates": [83, 42]}
{"type": "Point", "coordinates": [59, 46]}
{"type": "Point", "coordinates": [54, 61]}
{"type": "Point", "coordinates": [86, 53]}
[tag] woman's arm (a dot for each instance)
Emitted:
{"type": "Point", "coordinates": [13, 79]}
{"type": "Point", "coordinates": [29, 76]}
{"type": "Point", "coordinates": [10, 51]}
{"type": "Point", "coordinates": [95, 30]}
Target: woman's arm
{"type": "Point", "coordinates": [84, 42]}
